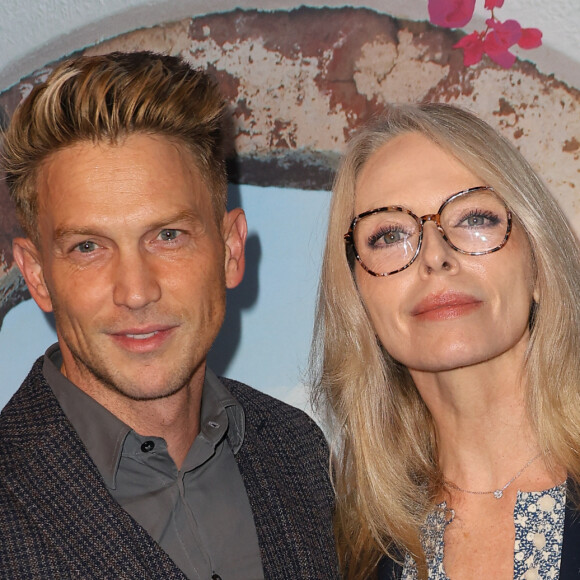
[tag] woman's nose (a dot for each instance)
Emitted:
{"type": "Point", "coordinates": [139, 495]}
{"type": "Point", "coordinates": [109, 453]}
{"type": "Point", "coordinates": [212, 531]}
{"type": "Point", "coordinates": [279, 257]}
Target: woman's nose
{"type": "Point", "coordinates": [436, 254]}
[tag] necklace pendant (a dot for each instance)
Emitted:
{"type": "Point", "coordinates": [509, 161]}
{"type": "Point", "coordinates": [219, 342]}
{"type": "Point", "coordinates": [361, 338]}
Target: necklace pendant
{"type": "Point", "coordinates": [498, 493]}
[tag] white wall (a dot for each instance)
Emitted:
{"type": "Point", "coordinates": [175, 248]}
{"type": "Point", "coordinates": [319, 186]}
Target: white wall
{"type": "Point", "coordinates": [35, 32]}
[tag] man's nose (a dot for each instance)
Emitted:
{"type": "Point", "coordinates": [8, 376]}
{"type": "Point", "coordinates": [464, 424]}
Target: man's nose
{"type": "Point", "coordinates": [136, 283]}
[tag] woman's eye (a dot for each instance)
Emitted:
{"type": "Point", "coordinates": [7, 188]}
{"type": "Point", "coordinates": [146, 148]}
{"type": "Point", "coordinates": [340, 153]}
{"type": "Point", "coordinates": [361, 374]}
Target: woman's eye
{"type": "Point", "coordinates": [479, 219]}
{"type": "Point", "coordinates": [475, 220]}
{"type": "Point", "coordinates": [387, 238]}
{"type": "Point", "coordinates": [168, 235]}
{"type": "Point", "coordinates": [392, 237]}
{"type": "Point", "coordinates": [85, 247]}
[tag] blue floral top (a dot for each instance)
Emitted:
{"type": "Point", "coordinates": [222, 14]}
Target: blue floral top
{"type": "Point", "coordinates": [539, 525]}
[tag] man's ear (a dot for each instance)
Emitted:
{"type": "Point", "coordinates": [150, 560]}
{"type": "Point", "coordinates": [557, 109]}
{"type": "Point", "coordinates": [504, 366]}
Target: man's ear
{"type": "Point", "coordinates": [235, 231]}
{"type": "Point", "coordinates": [27, 258]}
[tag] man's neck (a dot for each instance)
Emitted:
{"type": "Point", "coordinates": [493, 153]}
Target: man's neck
{"type": "Point", "coordinates": [175, 418]}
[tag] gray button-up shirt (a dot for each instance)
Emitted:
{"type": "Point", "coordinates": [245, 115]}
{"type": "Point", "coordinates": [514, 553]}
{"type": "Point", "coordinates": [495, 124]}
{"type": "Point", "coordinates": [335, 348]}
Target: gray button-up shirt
{"type": "Point", "coordinates": [200, 515]}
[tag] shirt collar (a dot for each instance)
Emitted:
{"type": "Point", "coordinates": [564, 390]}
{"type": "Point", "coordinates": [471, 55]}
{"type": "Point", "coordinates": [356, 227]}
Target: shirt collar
{"type": "Point", "coordinates": [103, 434]}
{"type": "Point", "coordinates": [216, 397]}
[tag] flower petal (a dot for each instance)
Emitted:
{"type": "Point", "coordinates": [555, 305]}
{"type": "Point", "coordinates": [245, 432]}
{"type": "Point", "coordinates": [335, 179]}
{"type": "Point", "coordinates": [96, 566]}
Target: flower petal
{"type": "Point", "coordinates": [500, 38]}
{"type": "Point", "coordinates": [491, 4]}
{"type": "Point", "coordinates": [451, 13]}
{"type": "Point", "coordinates": [530, 38]}
{"type": "Point", "coordinates": [505, 59]}
{"type": "Point", "coordinates": [472, 46]}
{"type": "Point", "coordinates": [508, 33]}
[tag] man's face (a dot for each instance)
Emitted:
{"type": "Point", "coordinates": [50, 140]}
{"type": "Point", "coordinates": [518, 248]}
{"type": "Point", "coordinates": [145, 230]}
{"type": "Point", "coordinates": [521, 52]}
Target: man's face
{"type": "Point", "coordinates": [133, 264]}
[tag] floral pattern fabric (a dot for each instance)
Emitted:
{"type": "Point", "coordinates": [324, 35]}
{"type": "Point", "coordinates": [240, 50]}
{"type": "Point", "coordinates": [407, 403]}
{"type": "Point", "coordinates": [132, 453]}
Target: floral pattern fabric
{"type": "Point", "coordinates": [539, 532]}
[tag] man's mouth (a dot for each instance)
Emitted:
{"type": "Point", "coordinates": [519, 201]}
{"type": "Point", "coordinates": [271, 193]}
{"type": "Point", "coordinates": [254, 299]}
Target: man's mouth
{"type": "Point", "coordinates": [142, 336]}
{"type": "Point", "coordinates": [143, 340]}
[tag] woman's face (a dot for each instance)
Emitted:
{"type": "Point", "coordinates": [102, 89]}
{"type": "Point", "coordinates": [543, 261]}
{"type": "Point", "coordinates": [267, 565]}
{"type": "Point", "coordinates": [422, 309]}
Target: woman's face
{"type": "Point", "coordinates": [447, 310]}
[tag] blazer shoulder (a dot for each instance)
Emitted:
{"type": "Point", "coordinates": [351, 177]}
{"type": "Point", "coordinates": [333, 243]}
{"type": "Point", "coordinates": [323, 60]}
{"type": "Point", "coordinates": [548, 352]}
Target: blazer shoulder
{"type": "Point", "coordinates": [262, 407]}
{"type": "Point", "coordinates": [30, 408]}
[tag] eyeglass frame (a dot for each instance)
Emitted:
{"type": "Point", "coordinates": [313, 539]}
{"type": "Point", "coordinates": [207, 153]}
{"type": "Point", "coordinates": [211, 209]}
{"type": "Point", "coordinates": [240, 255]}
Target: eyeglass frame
{"type": "Point", "coordinates": [433, 217]}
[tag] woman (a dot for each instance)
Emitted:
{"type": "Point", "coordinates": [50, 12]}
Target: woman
{"type": "Point", "coordinates": [446, 355]}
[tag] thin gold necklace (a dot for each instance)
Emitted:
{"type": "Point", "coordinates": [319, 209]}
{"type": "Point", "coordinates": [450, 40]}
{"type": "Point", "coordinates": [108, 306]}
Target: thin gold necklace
{"type": "Point", "coordinates": [497, 493]}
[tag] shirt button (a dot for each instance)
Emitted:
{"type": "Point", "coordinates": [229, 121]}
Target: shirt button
{"type": "Point", "coordinates": [147, 446]}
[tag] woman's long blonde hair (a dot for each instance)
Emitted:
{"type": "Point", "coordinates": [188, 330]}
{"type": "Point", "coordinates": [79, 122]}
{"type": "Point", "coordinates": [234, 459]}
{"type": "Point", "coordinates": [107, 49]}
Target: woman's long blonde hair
{"type": "Point", "coordinates": [386, 472]}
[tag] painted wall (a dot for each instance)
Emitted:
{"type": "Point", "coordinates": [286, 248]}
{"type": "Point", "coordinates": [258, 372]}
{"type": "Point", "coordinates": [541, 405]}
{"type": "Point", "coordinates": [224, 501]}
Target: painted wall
{"type": "Point", "coordinates": [34, 32]}
{"type": "Point", "coordinates": [296, 96]}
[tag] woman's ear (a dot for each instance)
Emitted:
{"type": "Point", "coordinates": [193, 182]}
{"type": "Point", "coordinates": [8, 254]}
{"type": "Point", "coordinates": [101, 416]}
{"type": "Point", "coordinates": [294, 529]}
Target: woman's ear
{"type": "Point", "coordinates": [28, 260]}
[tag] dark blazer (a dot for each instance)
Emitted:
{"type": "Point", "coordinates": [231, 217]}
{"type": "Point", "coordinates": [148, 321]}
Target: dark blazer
{"type": "Point", "coordinates": [570, 559]}
{"type": "Point", "coordinates": [57, 519]}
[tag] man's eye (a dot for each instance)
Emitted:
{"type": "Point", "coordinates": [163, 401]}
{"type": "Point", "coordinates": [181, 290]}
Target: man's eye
{"type": "Point", "coordinates": [168, 235]}
{"type": "Point", "coordinates": [85, 247]}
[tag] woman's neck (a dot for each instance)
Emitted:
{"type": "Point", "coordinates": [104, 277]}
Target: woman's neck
{"type": "Point", "coordinates": [483, 433]}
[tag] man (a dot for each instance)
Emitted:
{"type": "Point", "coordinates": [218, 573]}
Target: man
{"type": "Point", "coordinates": [122, 455]}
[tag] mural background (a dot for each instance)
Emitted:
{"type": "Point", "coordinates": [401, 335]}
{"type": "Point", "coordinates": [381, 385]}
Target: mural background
{"type": "Point", "coordinates": [300, 81]}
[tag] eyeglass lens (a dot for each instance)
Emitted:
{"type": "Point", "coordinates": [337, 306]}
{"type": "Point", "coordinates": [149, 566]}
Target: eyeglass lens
{"type": "Point", "coordinates": [388, 241]}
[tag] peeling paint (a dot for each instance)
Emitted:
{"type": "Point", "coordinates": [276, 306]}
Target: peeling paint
{"type": "Point", "coordinates": [571, 146]}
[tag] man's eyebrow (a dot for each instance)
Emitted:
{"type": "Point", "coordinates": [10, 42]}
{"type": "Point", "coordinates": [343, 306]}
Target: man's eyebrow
{"type": "Point", "coordinates": [64, 232]}
{"type": "Point", "coordinates": [181, 216]}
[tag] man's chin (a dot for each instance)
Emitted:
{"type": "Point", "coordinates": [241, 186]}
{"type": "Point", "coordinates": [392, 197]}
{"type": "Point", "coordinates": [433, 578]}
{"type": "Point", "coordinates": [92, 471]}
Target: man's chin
{"type": "Point", "coordinates": [148, 393]}
{"type": "Point", "coordinates": [143, 386]}
{"type": "Point", "coordinates": [143, 389]}
{"type": "Point", "coordinates": [136, 381]}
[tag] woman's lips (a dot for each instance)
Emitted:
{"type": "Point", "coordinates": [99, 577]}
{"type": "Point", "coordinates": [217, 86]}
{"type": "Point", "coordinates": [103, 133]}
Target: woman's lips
{"type": "Point", "coordinates": [445, 306]}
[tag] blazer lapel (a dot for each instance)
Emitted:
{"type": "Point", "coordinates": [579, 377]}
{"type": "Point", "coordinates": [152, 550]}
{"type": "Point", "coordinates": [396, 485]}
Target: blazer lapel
{"type": "Point", "coordinates": [295, 539]}
{"type": "Point", "coordinates": [570, 559]}
{"type": "Point", "coordinates": [388, 569]}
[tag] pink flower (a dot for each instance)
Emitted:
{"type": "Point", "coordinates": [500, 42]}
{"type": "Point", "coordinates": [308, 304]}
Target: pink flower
{"type": "Point", "coordinates": [504, 58]}
{"type": "Point", "coordinates": [530, 38]}
{"type": "Point", "coordinates": [501, 37]}
{"type": "Point", "coordinates": [495, 41]}
{"type": "Point", "coordinates": [507, 33]}
{"type": "Point", "coordinates": [451, 13]}
{"type": "Point", "coordinates": [472, 46]}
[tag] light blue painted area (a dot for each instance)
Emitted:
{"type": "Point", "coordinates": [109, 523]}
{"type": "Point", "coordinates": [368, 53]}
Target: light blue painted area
{"type": "Point", "coordinates": [26, 333]}
{"type": "Point", "coordinates": [287, 228]}
{"type": "Point", "coordinates": [266, 335]}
